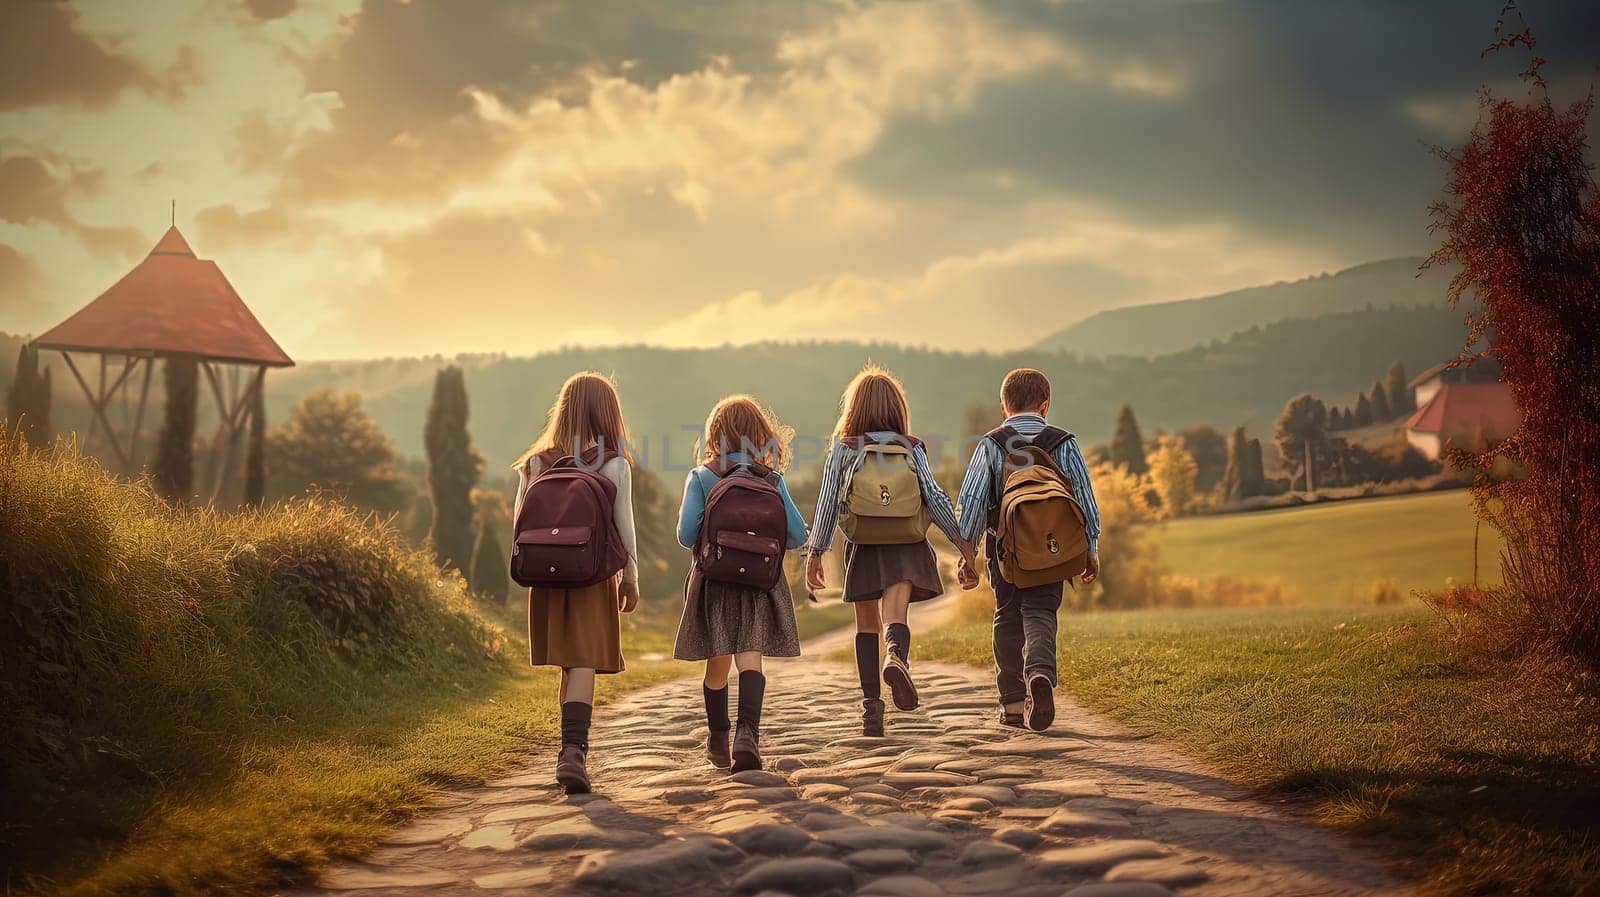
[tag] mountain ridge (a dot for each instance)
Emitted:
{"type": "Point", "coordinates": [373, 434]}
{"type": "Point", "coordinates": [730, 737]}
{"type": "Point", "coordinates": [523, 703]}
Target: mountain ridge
{"type": "Point", "coordinates": [1161, 328]}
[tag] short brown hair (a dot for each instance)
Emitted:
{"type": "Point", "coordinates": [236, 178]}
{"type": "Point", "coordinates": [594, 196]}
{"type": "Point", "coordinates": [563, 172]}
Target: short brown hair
{"type": "Point", "coordinates": [1024, 389]}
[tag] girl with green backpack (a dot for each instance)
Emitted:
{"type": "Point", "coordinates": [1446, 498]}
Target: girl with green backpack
{"type": "Point", "coordinates": [878, 488]}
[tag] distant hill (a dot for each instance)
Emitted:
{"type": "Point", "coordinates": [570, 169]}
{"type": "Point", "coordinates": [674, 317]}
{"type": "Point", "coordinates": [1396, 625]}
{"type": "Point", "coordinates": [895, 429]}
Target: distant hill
{"type": "Point", "coordinates": [1244, 379]}
{"type": "Point", "coordinates": [1166, 327]}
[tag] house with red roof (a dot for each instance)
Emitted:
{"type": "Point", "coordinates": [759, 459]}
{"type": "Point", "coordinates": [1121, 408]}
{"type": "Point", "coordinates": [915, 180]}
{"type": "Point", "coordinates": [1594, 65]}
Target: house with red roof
{"type": "Point", "coordinates": [1460, 404]}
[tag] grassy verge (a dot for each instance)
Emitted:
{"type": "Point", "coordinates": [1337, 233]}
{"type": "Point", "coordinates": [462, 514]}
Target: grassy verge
{"type": "Point", "coordinates": [200, 702]}
{"type": "Point", "coordinates": [1333, 553]}
{"type": "Point", "coordinates": [1481, 775]}
{"type": "Point", "coordinates": [291, 806]}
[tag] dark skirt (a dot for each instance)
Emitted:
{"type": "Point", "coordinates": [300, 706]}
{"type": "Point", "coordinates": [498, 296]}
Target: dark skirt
{"type": "Point", "coordinates": [869, 569]}
{"type": "Point", "coordinates": [576, 628]}
{"type": "Point", "coordinates": [721, 619]}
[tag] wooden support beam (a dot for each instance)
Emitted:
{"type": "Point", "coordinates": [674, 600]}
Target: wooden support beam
{"type": "Point", "coordinates": [138, 417]}
{"type": "Point", "coordinates": [97, 402]}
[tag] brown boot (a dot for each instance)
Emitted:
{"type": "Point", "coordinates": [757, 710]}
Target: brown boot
{"type": "Point", "coordinates": [872, 717]}
{"type": "Point", "coordinates": [746, 749]}
{"type": "Point", "coordinates": [1041, 702]}
{"type": "Point", "coordinates": [572, 773]}
{"type": "Point", "coordinates": [717, 749]}
{"type": "Point", "coordinates": [897, 674]}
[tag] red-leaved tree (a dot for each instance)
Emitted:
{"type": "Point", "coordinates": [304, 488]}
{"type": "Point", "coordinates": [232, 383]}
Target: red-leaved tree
{"type": "Point", "coordinates": [1521, 220]}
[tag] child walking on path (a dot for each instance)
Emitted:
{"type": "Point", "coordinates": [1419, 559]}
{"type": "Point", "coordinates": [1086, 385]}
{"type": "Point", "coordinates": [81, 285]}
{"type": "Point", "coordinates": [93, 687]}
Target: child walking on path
{"type": "Point", "coordinates": [1024, 616]}
{"type": "Point", "coordinates": [877, 484]}
{"type": "Point", "coordinates": [737, 518]}
{"type": "Point", "coordinates": [579, 629]}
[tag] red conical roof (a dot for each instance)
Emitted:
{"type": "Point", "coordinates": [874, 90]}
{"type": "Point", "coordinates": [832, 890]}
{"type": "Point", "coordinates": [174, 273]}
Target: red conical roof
{"type": "Point", "coordinates": [171, 303]}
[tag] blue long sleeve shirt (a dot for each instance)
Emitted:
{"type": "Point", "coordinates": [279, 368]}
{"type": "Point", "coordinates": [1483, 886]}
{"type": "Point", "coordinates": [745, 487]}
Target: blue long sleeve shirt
{"type": "Point", "coordinates": [698, 485]}
{"type": "Point", "coordinates": [841, 457]}
{"type": "Point", "coordinates": [979, 487]}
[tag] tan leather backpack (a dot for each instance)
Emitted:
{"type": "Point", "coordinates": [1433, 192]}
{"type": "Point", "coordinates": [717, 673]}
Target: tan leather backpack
{"type": "Point", "coordinates": [1041, 532]}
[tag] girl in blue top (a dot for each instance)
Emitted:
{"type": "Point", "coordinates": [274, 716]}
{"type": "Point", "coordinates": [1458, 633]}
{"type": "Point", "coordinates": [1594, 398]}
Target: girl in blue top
{"type": "Point", "coordinates": [881, 581]}
{"type": "Point", "coordinates": [725, 624]}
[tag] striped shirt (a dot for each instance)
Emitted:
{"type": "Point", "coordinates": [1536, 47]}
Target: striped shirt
{"type": "Point", "coordinates": [979, 488]}
{"type": "Point", "coordinates": [842, 457]}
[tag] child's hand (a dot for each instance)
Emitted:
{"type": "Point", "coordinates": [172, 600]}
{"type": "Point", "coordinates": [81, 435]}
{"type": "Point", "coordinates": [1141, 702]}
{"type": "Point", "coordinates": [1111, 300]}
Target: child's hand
{"type": "Point", "coordinates": [1091, 571]}
{"type": "Point", "coordinates": [628, 597]}
{"type": "Point", "coordinates": [967, 574]}
{"type": "Point", "coordinates": [816, 577]}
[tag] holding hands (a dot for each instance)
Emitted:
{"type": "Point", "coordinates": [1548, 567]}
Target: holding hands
{"type": "Point", "coordinates": [967, 569]}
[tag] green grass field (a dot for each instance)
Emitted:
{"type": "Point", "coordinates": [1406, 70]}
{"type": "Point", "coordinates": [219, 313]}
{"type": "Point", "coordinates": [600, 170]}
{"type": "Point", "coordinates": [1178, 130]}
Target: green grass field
{"type": "Point", "coordinates": [1333, 553]}
{"type": "Point", "coordinates": [1479, 775]}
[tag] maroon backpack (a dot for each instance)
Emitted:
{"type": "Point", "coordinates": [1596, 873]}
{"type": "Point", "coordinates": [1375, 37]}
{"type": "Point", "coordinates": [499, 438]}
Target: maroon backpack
{"type": "Point", "coordinates": [566, 536]}
{"type": "Point", "coordinates": [745, 528]}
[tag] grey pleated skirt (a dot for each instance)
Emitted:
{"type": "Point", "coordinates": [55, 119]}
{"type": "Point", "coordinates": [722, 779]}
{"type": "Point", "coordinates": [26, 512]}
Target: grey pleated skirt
{"type": "Point", "coordinates": [869, 569]}
{"type": "Point", "coordinates": [721, 619]}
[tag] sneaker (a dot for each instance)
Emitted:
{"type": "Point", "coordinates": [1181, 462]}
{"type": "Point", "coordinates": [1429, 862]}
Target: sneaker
{"type": "Point", "coordinates": [717, 749]}
{"type": "Point", "coordinates": [572, 773]}
{"type": "Point", "coordinates": [746, 749]}
{"type": "Point", "coordinates": [897, 673]}
{"type": "Point", "coordinates": [1011, 719]}
{"type": "Point", "coordinates": [872, 717]}
{"type": "Point", "coordinates": [1041, 702]}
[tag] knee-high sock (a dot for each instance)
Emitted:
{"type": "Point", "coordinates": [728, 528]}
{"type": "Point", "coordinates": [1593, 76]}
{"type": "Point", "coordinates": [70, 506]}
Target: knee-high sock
{"type": "Point", "coordinates": [867, 665]}
{"type": "Point", "coordinates": [752, 689]}
{"type": "Point", "coordinates": [575, 717]}
{"type": "Point", "coordinates": [716, 708]}
{"type": "Point", "coordinates": [899, 637]}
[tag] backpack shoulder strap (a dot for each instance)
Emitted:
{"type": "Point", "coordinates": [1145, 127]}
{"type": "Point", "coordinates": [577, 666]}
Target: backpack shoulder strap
{"type": "Point", "coordinates": [1050, 439]}
{"type": "Point", "coordinates": [1002, 436]}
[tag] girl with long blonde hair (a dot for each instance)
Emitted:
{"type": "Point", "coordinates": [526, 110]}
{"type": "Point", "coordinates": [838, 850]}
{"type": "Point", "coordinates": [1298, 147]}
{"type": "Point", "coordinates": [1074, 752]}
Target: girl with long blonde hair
{"type": "Point", "coordinates": [881, 580]}
{"type": "Point", "coordinates": [579, 630]}
{"type": "Point", "coordinates": [724, 623]}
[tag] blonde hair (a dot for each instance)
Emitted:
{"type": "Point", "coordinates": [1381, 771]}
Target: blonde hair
{"type": "Point", "coordinates": [873, 401]}
{"type": "Point", "coordinates": [586, 411]}
{"type": "Point", "coordinates": [739, 423]}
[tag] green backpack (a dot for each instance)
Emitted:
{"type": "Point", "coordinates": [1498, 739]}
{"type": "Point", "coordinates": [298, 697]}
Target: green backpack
{"type": "Point", "coordinates": [881, 499]}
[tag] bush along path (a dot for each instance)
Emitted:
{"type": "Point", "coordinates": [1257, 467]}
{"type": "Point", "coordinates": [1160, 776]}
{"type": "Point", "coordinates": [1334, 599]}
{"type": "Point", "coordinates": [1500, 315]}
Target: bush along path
{"type": "Point", "coordinates": [948, 803]}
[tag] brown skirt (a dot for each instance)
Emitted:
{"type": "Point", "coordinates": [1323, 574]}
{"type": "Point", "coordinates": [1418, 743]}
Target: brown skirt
{"type": "Point", "coordinates": [576, 628]}
{"type": "Point", "coordinates": [869, 569]}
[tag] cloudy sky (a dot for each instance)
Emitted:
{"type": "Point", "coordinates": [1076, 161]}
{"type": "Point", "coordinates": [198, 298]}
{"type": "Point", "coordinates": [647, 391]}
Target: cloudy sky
{"type": "Point", "coordinates": [380, 177]}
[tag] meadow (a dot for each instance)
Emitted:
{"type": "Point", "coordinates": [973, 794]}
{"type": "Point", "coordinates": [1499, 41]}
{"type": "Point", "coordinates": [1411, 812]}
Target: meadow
{"type": "Point", "coordinates": [1333, 553]}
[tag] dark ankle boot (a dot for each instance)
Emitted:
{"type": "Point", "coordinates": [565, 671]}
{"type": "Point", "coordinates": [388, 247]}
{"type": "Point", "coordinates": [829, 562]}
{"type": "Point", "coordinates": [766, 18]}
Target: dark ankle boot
{"type": "Point", "coordinates": [572, 771]}
{"type": "Point", "coordinates": [746, 748]}
{"type": "Point", "coordinates": [872, 717]}
{"type": "Point", "coordinates": [897, 673]}
{"type": "Point", "coordinates": [717, 749]}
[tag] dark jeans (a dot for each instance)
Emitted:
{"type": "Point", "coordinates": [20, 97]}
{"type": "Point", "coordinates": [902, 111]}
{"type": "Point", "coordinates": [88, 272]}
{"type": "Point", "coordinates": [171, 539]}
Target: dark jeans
{"type": "Point", "coordinates": [1024, 633]}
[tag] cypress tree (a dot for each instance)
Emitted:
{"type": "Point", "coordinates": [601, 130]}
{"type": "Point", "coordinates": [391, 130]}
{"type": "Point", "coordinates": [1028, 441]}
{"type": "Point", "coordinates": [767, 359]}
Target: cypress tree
{"type": "Point", "coordinates": [1398, 393]}
{"type": "Point", "coordinates": [255, 459]}
{"type": "Point", "coordinates": [1233, 476]}
{"type": "Point", "coordinates": [1127, 444]}
{"type": "Point", "coordinates": [1380, 405]}
{"type": "Point", "coordinates": [1255, 474]}
{"type": "Point", "coordinates": [489, 568]}
{"type": "Point", "coordinates": [28, 400]}
{"type": "Point", "coordinates": [453, 469]}
{"type": "Point", "coordinates": [1363, 415]}
{"type": "Point", "coordinates": [174, 461]}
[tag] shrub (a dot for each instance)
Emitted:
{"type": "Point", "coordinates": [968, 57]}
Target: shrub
{"type": "Point", "coordinates": [1521, 224]}
{"type": "Point", "coordinates": [145, 644]}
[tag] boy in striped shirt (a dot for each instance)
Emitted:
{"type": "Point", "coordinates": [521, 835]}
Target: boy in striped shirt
{"type": "Point", "coordinates": [1024, 618]}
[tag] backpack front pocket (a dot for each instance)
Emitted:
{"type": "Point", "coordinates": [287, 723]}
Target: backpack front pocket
{"type": "Point", "coordinates": [745, 558]}
{"type": "Point", "coordinates": [555, 556]}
